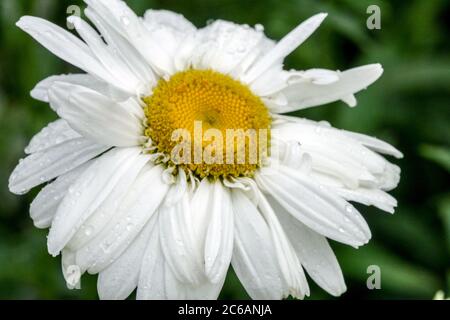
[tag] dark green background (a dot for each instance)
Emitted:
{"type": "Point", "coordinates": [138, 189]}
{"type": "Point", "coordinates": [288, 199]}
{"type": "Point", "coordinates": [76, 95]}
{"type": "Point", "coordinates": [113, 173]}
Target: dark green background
{"type": "Point", "coordinates": [408, 107]}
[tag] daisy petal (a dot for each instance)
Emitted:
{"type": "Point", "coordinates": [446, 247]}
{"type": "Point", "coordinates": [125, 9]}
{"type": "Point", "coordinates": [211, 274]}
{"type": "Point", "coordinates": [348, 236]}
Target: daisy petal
{"type": "Point", "coordinates": [369, 197]}
{"type": "Point", "coordinates": [122, 75]}
{"type": "Point", "coordinates": [285, 47]}
{"type": "Point", "coordinates": [46, 165]}
{"type": "Point", "coordinates": [119, 280]}
{"type": "Point", "coordinates": [178, 241]}
{"type": "Point", "coordinates": [55, 133]}
{"type": "Point", "coordinates": [297, 286]}
{"type": "Point", "coordinates": [96, 116]}
{"type": "Point", "coordinates": [223, 46]}
{"type": "Point", "coordinates": [126, 23]}
{"type": "Point", "coordinates": [64, 45]}
{"type": "Point", "coordinates": [135, 211]}
{"type": "Point", "coordinates": [219, 236]}
{"type": "Point", "coordinates": [157, 281]}
{"type": "Point", "coordinates": [151, 283]}
{"type": "Point", "coordinates": [108, 210]}
{"type": "Point", "coordinates": [254, 252]}
{"type": "Point", "coordinates": [125, 51]}
{"type": "Point", "coordinates": [336, 154]}
{"type": "Point", "coordinates": [305, 93]}
{"type": "Point", "coordinates": [314, 252]}
{"type": "Point", "coordinates": [375, 144]}
{"type": "Point", "coordinates": [40, 91]}
{"type": "Point", "coordinates": [44, 206]}
{"type": "Point", "coordinates": [71, 272]}
{"type": "Point", "coordinates": [321, 211]}
{"type": "Point", "coordinates": [168, 29]}
{"type": "Point", "coordinates": [87, 193]}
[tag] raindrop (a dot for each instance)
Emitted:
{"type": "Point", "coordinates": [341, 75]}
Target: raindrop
{"type": "Point", "coordinates": [259, 27]}
{"type": "Point", "coordinates": [125, 20]}
{"type": "Point", "coordinates": [349, 208]}
{"type": "Point", "coordinates": [321, 125]}
{"type": "Point", "coordinates": [105, 246]}
{"type": "Point", "coordinates": [88, 231]}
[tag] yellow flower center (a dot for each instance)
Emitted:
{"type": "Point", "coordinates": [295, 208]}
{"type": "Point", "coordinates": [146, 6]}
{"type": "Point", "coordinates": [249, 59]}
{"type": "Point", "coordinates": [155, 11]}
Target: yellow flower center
{"type": "Point", "coordinates": [227, 125]}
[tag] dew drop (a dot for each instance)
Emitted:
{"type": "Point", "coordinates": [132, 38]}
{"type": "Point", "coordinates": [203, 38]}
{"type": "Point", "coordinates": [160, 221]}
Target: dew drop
{"type": "Point", "coordinates": [259, 27]}
{"type": "Point", "coordinates": [125, 20]}
{"type": "Point", "coordinates": [88, 231]}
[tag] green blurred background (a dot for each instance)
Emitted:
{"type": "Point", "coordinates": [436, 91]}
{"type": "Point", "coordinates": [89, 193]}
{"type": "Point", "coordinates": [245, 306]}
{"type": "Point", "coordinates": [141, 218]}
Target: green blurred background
{"type": "Point", "coordinates": [408, 107]}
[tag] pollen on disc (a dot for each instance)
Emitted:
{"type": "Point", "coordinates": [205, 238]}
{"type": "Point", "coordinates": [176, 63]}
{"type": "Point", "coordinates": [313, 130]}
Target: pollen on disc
{"type": "Point", "coordinates": [222, 105]}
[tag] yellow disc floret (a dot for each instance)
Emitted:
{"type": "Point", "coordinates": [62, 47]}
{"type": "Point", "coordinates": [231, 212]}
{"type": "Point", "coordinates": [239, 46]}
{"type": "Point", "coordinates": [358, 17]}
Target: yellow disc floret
{"type": "Point", "coordinates": [223, 128]}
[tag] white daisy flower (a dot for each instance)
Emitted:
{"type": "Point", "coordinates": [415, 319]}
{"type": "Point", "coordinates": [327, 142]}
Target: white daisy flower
{"type": "Point", "coordinates": [116, 202]}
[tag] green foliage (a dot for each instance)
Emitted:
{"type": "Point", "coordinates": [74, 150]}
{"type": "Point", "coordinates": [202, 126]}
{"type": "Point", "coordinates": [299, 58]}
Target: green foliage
{"type": "Point", "coordinates": [408, 107]}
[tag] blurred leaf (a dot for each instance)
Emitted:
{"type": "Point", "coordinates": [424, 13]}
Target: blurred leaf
{"type": "Point", "coordinates": [440, 155]}
{"type": "Point", "coordinates": [397, 274]}
{"type": "Point", "coordinates": [444, 212]}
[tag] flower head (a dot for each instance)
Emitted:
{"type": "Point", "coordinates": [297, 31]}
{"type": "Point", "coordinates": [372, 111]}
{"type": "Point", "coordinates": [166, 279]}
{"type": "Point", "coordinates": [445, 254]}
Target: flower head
{"type": "Point", "coordinates": [172, 160]}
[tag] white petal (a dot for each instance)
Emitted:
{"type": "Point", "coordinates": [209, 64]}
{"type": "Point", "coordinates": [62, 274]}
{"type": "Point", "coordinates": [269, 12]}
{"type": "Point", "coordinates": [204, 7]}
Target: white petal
{"type": "Point", "coordinates": [314, 253]}
{"type": "Point", "coordinates": [96, 116]}
{"type": "Point", "coordinates": [350, 100]}
{"type": "Point", "coordinates": [124, 50]}
{"type": "Point", "coordinates": [46, 165]}
{"type": "Point", "coordinates": [375, 144]}
{"type": "Point", "coordinates": [337, 154]}
{"type": "Point", "coordinates": [219, 236]}
{"type": "Point", "coordinates": [64, 45]}
{"type": "Point", "coordinates": [201, 212]}
{"type": "Point", "coordinates": [135, 211]}
{"type": "Point", "coordinates": [120, 17]}
{"type": "Point", "coordinates": [223, 46]}
{"type": "Point", "coordinates": [119, 280]}
{"type": "Point", "coordinates": [286, 45]}
{"type": "Point", "coordinates": [40, 91]}
{"type": "Point", "coordinates": [178, 241]}
{"type": "Point", "coordinates": [88, 192]}
{"type": "Point", "coordinates": [321, 76]}
{"type": "Point", "coordinates": [157, 281]}
{"type": "Point", "coordinates": [71, 272]}
{"type": "Point", "coordinates": [368, 197]}
{"type": "Point", "coordinates": [121, 74]}
{"type": "Point", "coordinates": [44, 206]}
{"type": "Point", "coordinates": [151, 284]}
{"type": "Point", "coordinates": [108, 210]}
{"type": "Point", "coordinates": [54, 134]}
{"type": "Point", "coordinates": [168, 29]}
{"type": "Point", "coordinates": [317, 208]}
{"type": "Point", "coordinates": [305, 93]}
{"type": "Point", "coordinates": [169, 19]}
{"type": "Point", "coordinates": [210, 208]}
{"type": "Point", "coordinates": [254, 252]}
{"type": "Point", "coordinates": [293, 274]}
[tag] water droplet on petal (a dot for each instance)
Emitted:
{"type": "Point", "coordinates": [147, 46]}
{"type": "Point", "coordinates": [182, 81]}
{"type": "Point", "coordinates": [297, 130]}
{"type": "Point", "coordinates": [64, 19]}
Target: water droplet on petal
{"type": "Point", "coordinates": [88, 231]}
{"type": "Point", "coordinates": [125, 20]}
